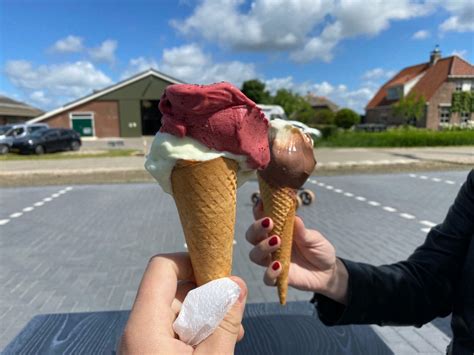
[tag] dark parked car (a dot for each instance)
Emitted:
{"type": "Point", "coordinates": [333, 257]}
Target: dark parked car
{"type": "Point", "coordinates": [48, 140]}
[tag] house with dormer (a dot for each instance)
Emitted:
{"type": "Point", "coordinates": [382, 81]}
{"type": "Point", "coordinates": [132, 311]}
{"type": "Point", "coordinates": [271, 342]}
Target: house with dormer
{"type": "Point", "coordinates": [435, 80]}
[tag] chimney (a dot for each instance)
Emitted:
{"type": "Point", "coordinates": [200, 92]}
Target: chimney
{"type": "Point", "coordinates": [435, 56]}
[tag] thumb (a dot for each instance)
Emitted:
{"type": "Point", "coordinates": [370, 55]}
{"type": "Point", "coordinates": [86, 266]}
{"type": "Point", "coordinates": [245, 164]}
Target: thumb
{"type": "Point", "coordinates": [223, 340]}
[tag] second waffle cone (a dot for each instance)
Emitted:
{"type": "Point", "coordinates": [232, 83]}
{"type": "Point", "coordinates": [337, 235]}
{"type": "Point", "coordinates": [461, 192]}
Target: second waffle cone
{"type": "Point", "coordinates": [279, 204]}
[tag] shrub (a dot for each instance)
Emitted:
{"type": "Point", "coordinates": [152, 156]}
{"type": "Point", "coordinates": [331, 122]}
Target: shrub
{"type": "Point", "coordinates": [327, 130]}
{"type": "Point", "coordinates": [399, 138]}
{"type": "Point", "coordinates": [346, 118]}
{"type": "Point", "coordinates": [325, 117]}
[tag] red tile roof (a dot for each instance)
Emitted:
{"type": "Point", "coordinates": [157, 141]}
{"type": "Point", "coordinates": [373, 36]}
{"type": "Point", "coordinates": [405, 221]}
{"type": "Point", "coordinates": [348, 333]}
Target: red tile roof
{"type": "Point", "coordinates": [433, 77]}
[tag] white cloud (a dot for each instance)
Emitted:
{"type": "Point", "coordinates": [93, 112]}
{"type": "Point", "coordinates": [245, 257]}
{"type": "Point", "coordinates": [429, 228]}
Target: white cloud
{"type": "Point", "coordinates": [421, 34]}
{"type": "Point", "coordinates": [308, 29]}
{"type": "Point", "coordinates": [377, 73]}
{"type": "Point", "coordinates": [58, 82]}
{"type": "Point", "coordinates": [460, 53]}
{"type": "Point", "coordinates": [340, 94]}
{"type": "Point", "coordinates": [105, 52]}
{"type": "Point", "coordinates": [462, 12]}
{"type": "Point", "coordinates": [138, 65]}
{"type": "Point", "coordinates": [268, 24]}
{"type": "Point", "coordinates": [190, 64]}
{"type": "Point", "coordinates": [39, 98]}
{"type": "Point", "coordinates": [273, 85]}
{"type": "Point", "coordinates": [69, 44]}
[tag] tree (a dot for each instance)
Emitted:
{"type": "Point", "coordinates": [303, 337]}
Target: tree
{"type": "Point", "coordinates": [346, 118]}
{"type": "Point", "coordinates": [255, 91]}
{"type": "Point", "coordinates": [411, 108]}
{"type": "Point", "coordinates": [462, 101]}
{"type": "Point", "coordinates": [305, 114]}
{"type": "Point", "coordinates": [292, 103]}
{"type": "Point", "coordinates": [323, 117]}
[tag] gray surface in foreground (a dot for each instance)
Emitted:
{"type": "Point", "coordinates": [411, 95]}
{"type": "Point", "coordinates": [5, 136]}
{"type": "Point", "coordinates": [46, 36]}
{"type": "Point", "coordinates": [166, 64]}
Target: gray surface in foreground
{"type": "Point", "coordinates": [86, 249]}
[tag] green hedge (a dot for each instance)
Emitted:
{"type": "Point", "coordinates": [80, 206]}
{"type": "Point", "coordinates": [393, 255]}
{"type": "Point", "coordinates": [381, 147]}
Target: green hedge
{"type": "Point", "coordinates": [398, 138]}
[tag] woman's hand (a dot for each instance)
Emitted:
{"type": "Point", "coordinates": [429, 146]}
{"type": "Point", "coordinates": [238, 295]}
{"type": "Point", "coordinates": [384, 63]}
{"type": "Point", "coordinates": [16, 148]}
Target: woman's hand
{"type": "Point", "coordinates": [149, 330]}
{"type": "Point", "coordinates": [314, 266]}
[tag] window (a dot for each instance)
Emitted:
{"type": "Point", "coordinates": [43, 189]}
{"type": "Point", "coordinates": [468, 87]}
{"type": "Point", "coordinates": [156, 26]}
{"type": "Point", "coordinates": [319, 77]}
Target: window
{"type": "Point", "coordinates": [16, 132]}
{"type": "Point", "coordinates": [444, 114]}
{"type": "Point", "coordinates": [465, 117]}
{"type": "Point", "coordinates": [52, 134]}
{"type": "Point", "coordinates": [459, 85]}
{"type": "Point", "coordinates": [32, 129]}
{"type": "Point", "coordinates": [393, 93]}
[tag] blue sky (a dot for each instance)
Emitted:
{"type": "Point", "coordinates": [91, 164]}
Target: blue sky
{"type": "Point", "coordinates": [55, 51]}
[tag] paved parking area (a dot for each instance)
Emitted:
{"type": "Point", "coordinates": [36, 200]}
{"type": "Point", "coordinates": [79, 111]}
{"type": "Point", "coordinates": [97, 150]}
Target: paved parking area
{"type": "Point", "coordinates": [84, 247]}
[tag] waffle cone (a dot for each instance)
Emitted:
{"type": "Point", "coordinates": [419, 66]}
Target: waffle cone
{"type": "Point", "coordinates": [205, 195]}
{"type": "Point", "coordinates": [279, 204]}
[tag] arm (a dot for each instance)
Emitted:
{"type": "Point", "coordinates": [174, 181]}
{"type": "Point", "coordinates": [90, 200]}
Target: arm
{"type": "Point", "coordinates": [413, 291]}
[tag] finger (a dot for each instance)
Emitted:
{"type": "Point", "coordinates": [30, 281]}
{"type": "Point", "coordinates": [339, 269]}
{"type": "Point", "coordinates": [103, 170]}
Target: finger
{"type": "Point", "coordinates": [157, 291]}
{"type": "Point", "coordinates": [261, 254]}
{"type": "Point", "coordinates": [306, 238]}
{"type": "Point", "coordinates": [259, 230]}
{"type": "Point", "coordinates": [272, 273]}
{"type": "Point", "coordinates": [161, 277]}
{"type": "Point", "coordinates": [223, 340]}
{"type": "Point", "coordinates": [258, 209]}
{"type": "Point", "coordinates": [241, 333]}
{"type": "Point", "coordinates": [183, 288]}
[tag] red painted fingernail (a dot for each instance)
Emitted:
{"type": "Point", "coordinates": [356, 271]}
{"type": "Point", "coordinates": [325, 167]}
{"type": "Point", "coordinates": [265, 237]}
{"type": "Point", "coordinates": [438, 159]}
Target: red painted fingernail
{"type": "Point", "coordinates": [266, 222]}
{"type": "Point", "coordinates": [276, 265]}
{"type": "Point", "coordinates": [273, 241]}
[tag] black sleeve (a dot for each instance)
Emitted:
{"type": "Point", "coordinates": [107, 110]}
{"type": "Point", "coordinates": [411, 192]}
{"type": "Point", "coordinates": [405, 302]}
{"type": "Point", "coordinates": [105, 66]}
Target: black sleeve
{"type": "Point", "coordinates": [415, 291]}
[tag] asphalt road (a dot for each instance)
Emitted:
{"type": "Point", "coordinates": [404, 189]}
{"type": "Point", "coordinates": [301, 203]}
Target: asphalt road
{"type": "Point", "coordinates": [84, 247]}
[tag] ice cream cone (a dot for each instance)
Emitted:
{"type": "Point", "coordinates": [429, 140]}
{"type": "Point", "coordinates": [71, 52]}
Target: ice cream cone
{"type": "Point", "coordinates": [279, 204]}
{"type": "Point", "coordinates": [205, 195]}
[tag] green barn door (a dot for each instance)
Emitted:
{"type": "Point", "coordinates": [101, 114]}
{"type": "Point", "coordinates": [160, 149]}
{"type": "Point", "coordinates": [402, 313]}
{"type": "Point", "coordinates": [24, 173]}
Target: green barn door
{"type": "Point", "coordinates": [82, 124]}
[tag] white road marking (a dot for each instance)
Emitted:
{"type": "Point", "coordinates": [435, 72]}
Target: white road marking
{"type": "Point", "coordinates": [185, 245]}
{"type": "Point", "coordinates": [425, 230]}
{"type": "Point", "coordinates": [385, 208]}
{"type": "Point", "coordinates": [428, 223]}
{"type": "Point", "coordinates": [36, 204]}
{"type": "Point", "coordinates": [321, 184]}
{"type": "Point", "coordinates": [4, 221]}
{"type": "Point", "coordinates": [435, 179]}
